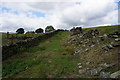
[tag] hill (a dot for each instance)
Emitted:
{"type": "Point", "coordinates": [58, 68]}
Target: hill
{"type": "Point", "coordinates": [65, 56]}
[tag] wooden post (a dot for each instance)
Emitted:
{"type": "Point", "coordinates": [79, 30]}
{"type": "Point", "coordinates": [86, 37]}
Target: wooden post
{"type": "Point", "coordinates": [28, 36]}
{"type": "Point", "coordinates": [12, 39]}
{"type": "Point", "coordinates": [7, 35]}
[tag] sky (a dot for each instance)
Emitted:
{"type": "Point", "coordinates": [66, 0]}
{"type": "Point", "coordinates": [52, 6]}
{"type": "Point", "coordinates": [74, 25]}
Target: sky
{"type": "Point", "coordinates": [34, 14]}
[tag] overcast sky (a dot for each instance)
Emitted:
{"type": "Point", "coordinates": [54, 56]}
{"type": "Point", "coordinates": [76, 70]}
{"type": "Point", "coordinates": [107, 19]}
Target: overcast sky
{"type": "Point", "coordinates": [62, 15]}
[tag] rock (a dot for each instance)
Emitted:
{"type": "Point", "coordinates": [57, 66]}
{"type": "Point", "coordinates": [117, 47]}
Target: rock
{"type": "Point", "coordinates": [80, 67]}
{"type": "Point", "coordinates": [85, 42]}
{"type": "Point", "coordinates": [112, 36]}
{"type": "Point", "coordinates": [83, 45]}
{"type": "Point", "coordinates": [88, 62]}
{"type": "Point", "coordinates": [82, 71]}
{"type": "Point", "coordinates": [86, 50]}
{"type": "Point", "coordinates": [105, 48]}
{"type": "Point", "coordinates": [117, 39]}
{"type": "Point", "coordinates": [115, 74]}
{"type": "Point", "coordinates": [115, 36]}
{"type": "Point", "coordinates": [110, 65]}
{"type": "Point", "coordinates": [88, 68]}
{"type": "Point", "coordinates": [109, 46]}
{"type": "Point", "coordinates": [101, 38]}
{"type": "Point", "coordinates": [105, 35]}
{"type": "Point", "coordinates": [94, 71]}
{"type": "Point", "coordinates": [75, 31]}
{"type": "Point", "coordinates": [119, 52]}
{"type": "Point", "coordinates": [92, 45]}
{"type": "Point", "coordinates": [115, 44]}
{"type": "Point", "coordinates": [79, 64]}
{"type": "Point", "coordinates": [105, 75]}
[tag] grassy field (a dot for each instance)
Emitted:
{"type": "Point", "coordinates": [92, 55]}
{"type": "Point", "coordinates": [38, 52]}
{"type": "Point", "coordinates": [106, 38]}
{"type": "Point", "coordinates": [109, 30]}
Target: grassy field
{"type": "Point", "coordinates": [53, 58]}
{"type": "Point", "coordinates": [46, 58]}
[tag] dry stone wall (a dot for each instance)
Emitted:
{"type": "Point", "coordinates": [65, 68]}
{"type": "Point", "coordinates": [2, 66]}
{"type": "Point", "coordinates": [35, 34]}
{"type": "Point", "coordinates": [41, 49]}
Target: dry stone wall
{"type": "Point", "coordinates": [9, 50]}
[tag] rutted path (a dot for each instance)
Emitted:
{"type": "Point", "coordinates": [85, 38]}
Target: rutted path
{"type": "Point", "coordinates": [45, 60]}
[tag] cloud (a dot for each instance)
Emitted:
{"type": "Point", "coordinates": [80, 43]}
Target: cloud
{"type": "Point", "coordinates": [32, 15]}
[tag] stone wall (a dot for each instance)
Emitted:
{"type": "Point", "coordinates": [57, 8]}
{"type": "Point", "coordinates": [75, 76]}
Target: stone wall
{"type": "Point", "coordinates": [8, 51]}
{"type": "Point", "coordinates": [77, 30]}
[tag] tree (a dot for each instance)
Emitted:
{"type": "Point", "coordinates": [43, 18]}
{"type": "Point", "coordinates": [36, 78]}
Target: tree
{"type": "Point", "coordinates": [20, 31]}
{"type": "Point", "coordinates": [49, 28]}
{"type": "Point", "coordinates": [40, 30]}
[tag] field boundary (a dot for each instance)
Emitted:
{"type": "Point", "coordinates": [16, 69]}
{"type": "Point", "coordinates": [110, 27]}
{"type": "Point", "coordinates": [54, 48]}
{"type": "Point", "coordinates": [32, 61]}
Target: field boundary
{"type": "Point", "coordinates": [9, 50]}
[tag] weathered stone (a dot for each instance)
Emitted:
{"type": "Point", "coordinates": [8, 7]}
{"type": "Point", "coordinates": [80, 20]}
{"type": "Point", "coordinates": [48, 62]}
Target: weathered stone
{"type": "Point", "coordinates": [109, 46]}
{"type": "Point", "coordinates": [79, 64]}
{"type": "Point", "coordinates": [110, 65]}
{"type": "Point", "coordinates": [115, 74]}
{"type": "Point", "coordinates": [117, 39]}
{"type": "Point", "coordinates": [105, 35]}
{"type": "Point", "coordinates": [88, 62]}
{"type": "Point", "coordinates": [77, 30]}
{"type": "Point", "coordinates": [115, 36]}
{"type": "Point", "coordinates": [118, 52]}
{"type": "Point", "coordinates": [105, 48]}
{"type": "Point", "coordinates": [88, 68]}
{"type": "Point", "coordinates": [115, 44]}
{"type": "Point", "coordinates": [102, 39]}
{"type": "Point", "coordinates": [86, 50]}
{"type": "Point", "coordinates": [105, 75]}
{"type": "Point", "coordinates": [80, 67]}
{"type": "Point", "coordinates": [94, 71]}
{"type": "Point", "coordinates": [82, 71]}
{"type": "Point", "coordinates": [85, 42]}
{"type": "Point", "coordinates": [92, 45]}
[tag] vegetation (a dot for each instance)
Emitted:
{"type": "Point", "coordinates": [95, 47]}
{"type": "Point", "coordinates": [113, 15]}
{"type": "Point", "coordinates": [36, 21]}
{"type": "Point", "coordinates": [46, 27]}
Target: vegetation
{"type": "Point", "coordinates": [40, 30]}
{"type": "Point", "coordinates": [49, 28]}
{"type": "Point", "coordinates": [53, 58]}
{"type": "Point", "coordinates": [7, 41]}
{"type": "Point", "coordinates": [20, 31]}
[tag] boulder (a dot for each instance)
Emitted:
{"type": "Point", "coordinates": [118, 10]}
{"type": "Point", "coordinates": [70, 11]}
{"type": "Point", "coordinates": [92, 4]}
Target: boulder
{"type": "Point", "coordinates": [105, 48]}
{"type": "Point", "coordinates": [88, 62]}
{"type": "Point", "coordinates": [109, 46]}
{"type": "Point", "coordinates": [92, 45]}
{"type": "Point", "coordinates": [94, 72]}
{"type": "Point", "coordinates": [115, 44]}
{"type": "Point", "coordinates": [115, 74]}
{"type": "Point", "coordinates": [105, 75]}
{"type": "Point", "coordinates": [79, 64]}
{"type": "Point", "coordinates": [115, 36]}
{"type": "Point", "coordinates": [108, 65]}
{"type": "Point", "coordinates": [119, 52]}
{"type": "Point", "coordinates": [82, 71]}
{"type": "Point", "coordinates": [117, 39]}
{"type": "Point", "coordinates": [105, 35]}
{"type": "Point", "coordinates": [77, 30]}
{"type": "Point", "coordinates": [86, 50]}
{"type": "Point", "coordinates": [80, 67]}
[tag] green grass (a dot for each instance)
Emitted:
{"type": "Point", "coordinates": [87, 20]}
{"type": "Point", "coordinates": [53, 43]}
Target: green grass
{"type": "Point", "coordinates": [105, 29]}
{"type": "Point", "coordinates": [46, 60]}
{"type": "Point", "coordinates": [52, 58]}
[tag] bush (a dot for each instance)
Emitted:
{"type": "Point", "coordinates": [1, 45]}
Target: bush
{"type": "Point", "coordinates": [20, 31]}
{"type": "Point", "coordinates": [49, 29]}
{"type": "Point", "coordinates": [40, 30]}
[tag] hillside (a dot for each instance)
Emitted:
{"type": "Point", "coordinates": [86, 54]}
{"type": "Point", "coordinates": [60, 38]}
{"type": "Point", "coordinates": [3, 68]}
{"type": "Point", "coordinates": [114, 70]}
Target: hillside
{"type": "Point", "coordinates": [65, 56]}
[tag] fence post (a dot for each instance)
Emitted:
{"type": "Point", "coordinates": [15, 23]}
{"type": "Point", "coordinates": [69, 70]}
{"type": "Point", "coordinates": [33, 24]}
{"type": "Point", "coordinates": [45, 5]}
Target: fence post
{"type": "Point", "coordinates": [28, 36]}
{"type": "Point", "coordinates": [12, 39]}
